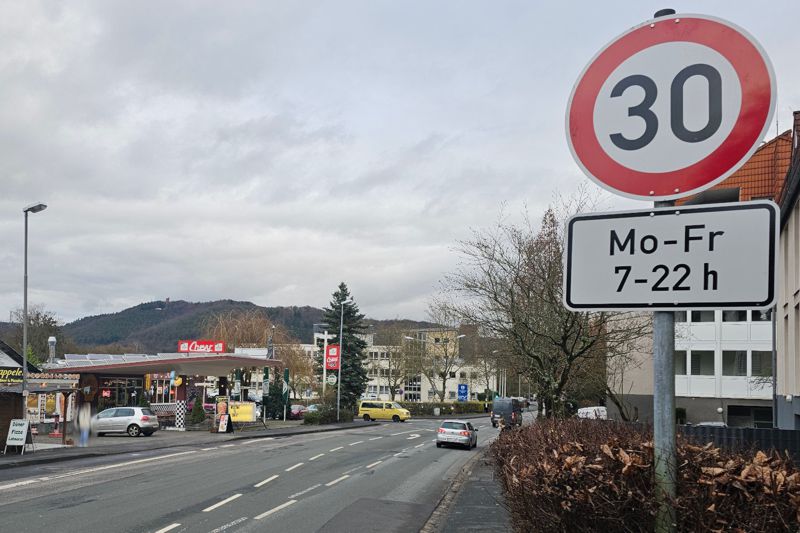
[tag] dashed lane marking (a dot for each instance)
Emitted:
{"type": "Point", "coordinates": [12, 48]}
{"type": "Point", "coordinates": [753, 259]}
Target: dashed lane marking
{"type": "Point", "coordinates": [275, 509]}
{"type": "Point", "coordinates": [337, 480]}
{"type": "Point", "coordinates": [309, 489]}
{"type": "Point", "coordinates": [262, 483]}
{"type": "Point", "coordinates": [356, 442]}
{"type": "Point", "coordinates": [256, 441]}
{"type": "Point", "coordinates": [419, 445]}
{"type": "Point", "coordinates": [295, 466]}
{"type": "Point", "coordinates": [229, 525]}
{"type": "Point", "coordinates": [375, 438]}
{"type": "Point", "coordinates": [220, 504]}
{"type": "Point", "coordinates": [413, 436]}
{"type": "Point", "coordinates": [168, 528]}
{"type": "Point", "coordinates": [339, 448]}
{"type": "Point", "coordinates": [374, 464]}
{"type": "Point", "coordinates": [316, 457]}
{"type": "Point", "coordinates": [227, 445]}
{"type": "Point", "coordinates": [207, 449]}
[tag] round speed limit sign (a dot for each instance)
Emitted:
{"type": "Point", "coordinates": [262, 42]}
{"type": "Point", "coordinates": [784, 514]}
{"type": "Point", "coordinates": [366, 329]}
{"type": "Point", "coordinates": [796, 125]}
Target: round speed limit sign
{"type": "Point", "coordinates": [671, 107]}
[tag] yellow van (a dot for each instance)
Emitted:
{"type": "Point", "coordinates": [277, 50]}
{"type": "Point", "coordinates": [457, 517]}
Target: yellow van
{"type": "Point", "coordinates": [380, 410]}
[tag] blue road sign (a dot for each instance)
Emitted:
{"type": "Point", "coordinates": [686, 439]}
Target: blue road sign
{"type": "Point", "coordinates": [463, 393]}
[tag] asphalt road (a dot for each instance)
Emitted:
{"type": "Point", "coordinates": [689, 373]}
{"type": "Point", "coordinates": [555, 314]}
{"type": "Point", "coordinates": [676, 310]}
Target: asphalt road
{"type": "Point", "coordinates": [380, 478]}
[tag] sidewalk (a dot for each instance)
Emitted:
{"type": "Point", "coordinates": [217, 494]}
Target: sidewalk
{"type": "Point", "coordinates": [476, 503]}
{"type": "Point", "coordinates": [121, 444]}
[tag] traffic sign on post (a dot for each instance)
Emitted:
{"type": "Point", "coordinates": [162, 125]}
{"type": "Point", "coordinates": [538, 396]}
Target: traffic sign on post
{"type": "Point", "coordinates": [671, 107]}
{"type": "Point", "coordinates": [463, 392]}
{"type": "Point", "coordinates": [673, 258]}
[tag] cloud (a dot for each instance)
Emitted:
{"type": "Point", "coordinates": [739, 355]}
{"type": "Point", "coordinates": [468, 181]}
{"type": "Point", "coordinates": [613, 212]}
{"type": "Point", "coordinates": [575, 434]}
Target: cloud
{"type": "Point", "coordinates": [266, 151]}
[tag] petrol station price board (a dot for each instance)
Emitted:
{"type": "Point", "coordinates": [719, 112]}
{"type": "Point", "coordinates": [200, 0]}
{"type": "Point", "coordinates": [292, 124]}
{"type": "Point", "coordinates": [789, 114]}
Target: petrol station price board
{"type": "Point", "coordinates": [719, 256]}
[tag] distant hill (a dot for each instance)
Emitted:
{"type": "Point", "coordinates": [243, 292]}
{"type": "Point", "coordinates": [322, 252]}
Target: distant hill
{"type": "Point", "coordinates": [157, 326]}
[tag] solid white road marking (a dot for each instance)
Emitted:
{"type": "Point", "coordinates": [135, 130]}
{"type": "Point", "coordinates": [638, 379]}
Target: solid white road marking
{"type": "Point", "coordinates": [18, 484]}
{"type": "Point", "coordinates": [293, 467]}
{"type": "Point", "coordinates": [220, 504]}
{"type": "Point", "coordinates": [168, 528]}
{"type": "Point", "coordinates": [227, 445]}
{"type": "Point", "coordinates": [207, 449]}
{"type": "Point", "coordinates": [262, 483]}
{"type": "Point", "coordinates": [256, 441]}
{"type": "Point", "coordinates": [374, 464]}
{"type": "Point", "coordinates": [356, 442]}
{"type": "Point", "coordinates": [316, 456]}
{"type": "Point", "coordinates": [398, 454]}
{"type": "Point", "coordinates": [419, 445]}
{"type": "Point", "coordinates": [275, 509]}
{"type": "Point", "coordinates": [339, 448]}
{"type": "Point", "coordinates": [375, 438]}
{"type": "Point", "coordinates": [309, 489]}
{"type": "Point", "coordinates": [337, 480]}
{"type": "Point", "coordinates": [98, 469]}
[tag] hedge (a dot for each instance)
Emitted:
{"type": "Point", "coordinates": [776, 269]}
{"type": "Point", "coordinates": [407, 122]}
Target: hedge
{"type": "Point", "coordinates": [445, 409]}
{"type": "Point", "coordinates": [594, 475]}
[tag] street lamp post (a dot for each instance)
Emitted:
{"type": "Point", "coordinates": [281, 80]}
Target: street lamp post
{"type": "Point", "coordinates": [33, 208]}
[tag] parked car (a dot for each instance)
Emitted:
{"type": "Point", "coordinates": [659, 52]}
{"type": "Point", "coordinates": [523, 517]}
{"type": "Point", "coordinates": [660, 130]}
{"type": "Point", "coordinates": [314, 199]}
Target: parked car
{"type": "Point", "coordinates": [313, 408]}
{"type": "Point", "coordinates": [598, 412]}
{"type": "Point", "coordinates": [378, 410]}
{"type": "Point", "coordinates": [457, 432]}
{"type": "Point", "coordinates": [134, 421]}
{"type": "Point", "coordinates": [296, 412]}
{"type": "Point", "coordinates": [507, 409]}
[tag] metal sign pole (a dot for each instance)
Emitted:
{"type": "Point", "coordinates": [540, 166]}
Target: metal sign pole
{"type": "Point", "coordinates": [664, 413]}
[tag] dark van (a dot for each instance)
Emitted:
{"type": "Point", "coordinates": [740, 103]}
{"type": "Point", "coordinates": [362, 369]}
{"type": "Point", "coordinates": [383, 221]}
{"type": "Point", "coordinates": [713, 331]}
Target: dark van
{"type": "Point", "coordinates": [508, 409]}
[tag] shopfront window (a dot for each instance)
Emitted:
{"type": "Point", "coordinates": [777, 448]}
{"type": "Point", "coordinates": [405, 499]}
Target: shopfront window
{"type": "Point", "coordinates": [119, 391]}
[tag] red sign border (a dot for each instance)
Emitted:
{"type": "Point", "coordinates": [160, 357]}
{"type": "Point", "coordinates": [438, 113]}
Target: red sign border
{"type": "Point", "coordinates": [758, 87]}
{"type": "Point", "coordinates": [203, 341]}
{"type": "Point", "coordinates": [338, 357]}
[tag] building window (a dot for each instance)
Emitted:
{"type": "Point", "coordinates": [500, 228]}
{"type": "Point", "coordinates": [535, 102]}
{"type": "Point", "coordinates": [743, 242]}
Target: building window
{"type": "Point", "coordinates": [734, 363]}
{"type": "Point", "coordinates": [430, 393]}
{"type": "Point", "coordinates": [462, 375]}
{"type": "Point", "coordinates": [452, 374]}
{"type": "Point", "coordinates": [702, 316]}
{"type": "Point", "coordinates": [761, 316]}
{"type": "Point", "coordinates": [734, 316]}
{"type": "Point", "coordinates": [762, 364]}
{"type": "Point", "coordinates": [680, 362]}
{"type": "Point", "coordinates": [680, 316]}
{"type": "Point", "coordinates": [702, 362]}
{"type": "Point", "coordinates": [451, 395]}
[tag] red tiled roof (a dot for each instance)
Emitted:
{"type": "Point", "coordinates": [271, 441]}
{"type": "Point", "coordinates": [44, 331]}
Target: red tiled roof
{"type": "Point", "coordinates": [763, 175]}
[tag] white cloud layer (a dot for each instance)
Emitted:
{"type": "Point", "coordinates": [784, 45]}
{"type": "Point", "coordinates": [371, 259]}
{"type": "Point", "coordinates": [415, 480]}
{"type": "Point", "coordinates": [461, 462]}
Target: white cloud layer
{"type": "Point", "coordinates": [264, 151]}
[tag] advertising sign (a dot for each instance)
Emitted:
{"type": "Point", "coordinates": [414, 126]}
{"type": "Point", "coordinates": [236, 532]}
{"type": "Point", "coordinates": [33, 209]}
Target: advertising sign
{"type": "Point", "coordinates": [463, 392]}
{"type": "Point", "coordinates": [243, 411]}
{"type": "Point", "coordinates": [10, 374]}
{"type": "Point", "coordinates": [332, 357]}
{"type": "Point", "coordinates": [202, 346]}
{"type": "Point", "coordinates": [718, 256]}
{"type": "Point", "coordinates": [331, 379]}
{"type": "Point", "coordinates": [18, 434]}
{"type": "Point", "coordinates": [223, 424]}
{"type": "Point", "coordinates": [671, 107]}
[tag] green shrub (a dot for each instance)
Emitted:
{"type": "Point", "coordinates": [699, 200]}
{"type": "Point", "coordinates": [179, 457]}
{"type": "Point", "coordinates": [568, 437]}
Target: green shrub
{"type": "Point", "coordinates": [327, 415]}
{"type": "Point", "coordinates": [198, 414]}
{"type": "Point", "coordinates": [445, 408]}
{"type": "Point", "coordinates": [312, 419]}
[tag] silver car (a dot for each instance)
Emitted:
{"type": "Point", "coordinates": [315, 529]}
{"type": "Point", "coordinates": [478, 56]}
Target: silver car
{"type": "Point", "coordinates": [458, 433]}
{"type": "Point", "coordinates": [134, 421]}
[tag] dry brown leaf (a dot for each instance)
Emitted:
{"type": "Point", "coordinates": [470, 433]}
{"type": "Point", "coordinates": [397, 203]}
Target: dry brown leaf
{"type": "Point", "coordinates": [712, 471]}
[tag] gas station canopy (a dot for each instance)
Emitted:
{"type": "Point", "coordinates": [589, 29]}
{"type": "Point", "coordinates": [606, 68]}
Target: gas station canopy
{"type": "Point", "coordinates": [201, 364]}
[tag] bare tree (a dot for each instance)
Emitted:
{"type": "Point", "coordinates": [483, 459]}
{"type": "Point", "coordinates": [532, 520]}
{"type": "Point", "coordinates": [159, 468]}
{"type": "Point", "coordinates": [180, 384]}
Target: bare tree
{"type": "Point", "coordinates": [510, 282]}
{"type": "Point", "coordinates": [302, 375]}
{"type": "Point", "coordinates": [244, 329]}
{"type": "Point", "coordinates": [399, 363]}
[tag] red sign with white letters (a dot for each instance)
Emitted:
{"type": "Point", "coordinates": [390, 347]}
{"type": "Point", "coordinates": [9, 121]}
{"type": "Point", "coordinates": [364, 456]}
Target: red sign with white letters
{"type": "Point", "coordinates": [204, 346]}
{"type": "Point", "coordinates": [332, 357]}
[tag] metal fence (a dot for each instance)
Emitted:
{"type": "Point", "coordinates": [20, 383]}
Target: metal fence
{"type": "Point", "coordinates": [733, 438]}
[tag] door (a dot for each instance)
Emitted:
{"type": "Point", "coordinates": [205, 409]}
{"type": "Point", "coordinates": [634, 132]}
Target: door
{"type": "Point", "coordinates": [122, 418]}
{"type": "Point", "coordinates": [103, 421]}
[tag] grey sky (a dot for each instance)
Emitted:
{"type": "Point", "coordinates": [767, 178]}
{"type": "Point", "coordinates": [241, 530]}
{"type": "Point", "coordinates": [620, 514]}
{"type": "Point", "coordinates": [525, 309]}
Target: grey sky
{"type": "Point", "coordinates": [265, 151]}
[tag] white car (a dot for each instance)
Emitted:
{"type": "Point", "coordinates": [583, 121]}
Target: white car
{"type": "Point", "coordinates": [458, 433]}
{"type": "Point", "coordinates": [599, 412]}
{"type": "Point", "coordinates": [134, 421]}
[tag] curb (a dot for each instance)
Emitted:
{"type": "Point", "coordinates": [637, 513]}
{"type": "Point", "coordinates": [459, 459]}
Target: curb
{"type": "Point", "coordinates": [24, 461]}
{"type": "Point", "coordinates": [445, 503]}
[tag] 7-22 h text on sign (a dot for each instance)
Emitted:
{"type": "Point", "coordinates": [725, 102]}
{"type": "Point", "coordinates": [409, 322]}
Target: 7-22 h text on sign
{"type": "Point", "coordinates": [719, 256]}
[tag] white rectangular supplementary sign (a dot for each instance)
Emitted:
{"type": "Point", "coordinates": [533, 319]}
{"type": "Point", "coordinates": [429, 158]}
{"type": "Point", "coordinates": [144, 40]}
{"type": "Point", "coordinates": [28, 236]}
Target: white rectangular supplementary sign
{"type": "Point", "coordinates": [719, 256]}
